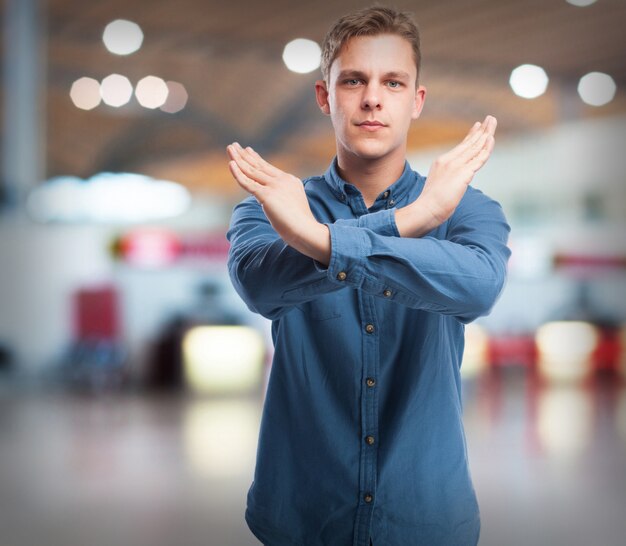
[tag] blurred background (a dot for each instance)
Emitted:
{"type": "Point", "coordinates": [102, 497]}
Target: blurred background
{"type": "Point", "coordinates": [132, 376]}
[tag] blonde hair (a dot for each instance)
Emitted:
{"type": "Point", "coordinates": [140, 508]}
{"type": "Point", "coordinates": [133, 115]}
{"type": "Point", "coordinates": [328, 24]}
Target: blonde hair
{"type": "Point", "coordinates": [369, 22]}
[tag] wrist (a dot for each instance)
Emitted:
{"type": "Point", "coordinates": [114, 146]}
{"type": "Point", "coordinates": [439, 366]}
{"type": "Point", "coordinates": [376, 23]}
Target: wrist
{"type": "Point", "coordinates": [313, 240]}
{"type": "Point", "coordinates": [416, 219]}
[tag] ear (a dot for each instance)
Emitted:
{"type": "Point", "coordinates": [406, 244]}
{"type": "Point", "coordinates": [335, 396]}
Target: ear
{"type": "Point", "coordinates": [420, 97]}
{"type": "Point", "coordinates": [321, 95]}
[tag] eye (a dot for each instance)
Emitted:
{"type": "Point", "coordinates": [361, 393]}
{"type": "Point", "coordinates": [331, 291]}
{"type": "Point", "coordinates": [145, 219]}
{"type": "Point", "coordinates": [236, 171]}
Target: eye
{"type": "Point", "coordinates": [394, 84]}
{"type": "Point", "coordinates": [352, 82]}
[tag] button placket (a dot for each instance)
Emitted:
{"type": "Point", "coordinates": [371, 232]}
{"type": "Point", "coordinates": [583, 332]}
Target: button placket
{"type": "Point", "coordinates": [369, 416]}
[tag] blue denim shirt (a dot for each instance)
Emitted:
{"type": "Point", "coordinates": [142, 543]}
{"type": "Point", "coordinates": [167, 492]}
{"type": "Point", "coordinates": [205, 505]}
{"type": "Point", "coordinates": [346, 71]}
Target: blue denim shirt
{"type": "Point", "coordinates": [361, 434]}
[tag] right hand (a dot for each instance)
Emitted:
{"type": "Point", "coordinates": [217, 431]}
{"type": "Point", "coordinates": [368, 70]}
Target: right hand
{"type": "Point", "coordinates": [453, 171]}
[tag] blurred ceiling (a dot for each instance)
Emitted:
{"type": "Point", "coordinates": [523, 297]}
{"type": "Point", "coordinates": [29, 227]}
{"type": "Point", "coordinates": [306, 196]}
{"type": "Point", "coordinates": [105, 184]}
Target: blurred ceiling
{"type": "Point", "coordinates": [228, 56]}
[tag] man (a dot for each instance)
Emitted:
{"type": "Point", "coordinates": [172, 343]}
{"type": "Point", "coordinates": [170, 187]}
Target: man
{"type": "Point", "coordinates": [369, 274]}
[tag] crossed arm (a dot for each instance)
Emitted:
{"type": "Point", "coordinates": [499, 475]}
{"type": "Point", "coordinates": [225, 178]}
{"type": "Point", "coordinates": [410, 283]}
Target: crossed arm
{"type": "Point", "coordinates": [284, 201]}
{"type": "Point", "coordinates": [274, 236]}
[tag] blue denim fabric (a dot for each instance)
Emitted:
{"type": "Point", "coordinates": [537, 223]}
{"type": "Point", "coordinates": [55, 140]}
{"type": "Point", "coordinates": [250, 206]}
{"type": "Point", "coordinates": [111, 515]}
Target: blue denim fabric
{"type": "Point", "coordinates": [361, 433]}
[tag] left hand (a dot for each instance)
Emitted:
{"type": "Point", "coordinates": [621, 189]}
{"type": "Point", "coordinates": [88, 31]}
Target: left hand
{"type": "Point", "coordinates": [281, 194]}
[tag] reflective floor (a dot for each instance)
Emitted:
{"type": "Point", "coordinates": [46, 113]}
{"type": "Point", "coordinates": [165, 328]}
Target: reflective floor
{"type": "Point", "coordinates": [549, 466]}
{"type": "Point", "coordinates": [548, 462]}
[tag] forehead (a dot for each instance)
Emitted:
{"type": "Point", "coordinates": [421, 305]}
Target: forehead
{"type": "Point", "coordinates": [375, 54]}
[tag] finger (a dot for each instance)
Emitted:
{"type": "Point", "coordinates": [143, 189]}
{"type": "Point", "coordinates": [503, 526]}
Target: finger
{"type": "Point", "coordinates": [245, 182]}
{"type": "Point", "coordinates": [493, 124]}
{"type": "Point", "coordinates": [473, 142]}
{"type": "Point", "coordinates": [475, 129]}
{"type": "Point", "coordinates": [478, 133]}
{"type": "Point", "coordinates": [462, 154]}
{"type": "Point", "coordinates": [234, 151]}
{"type": "Point", "coordinates": [253, 160]}
{"type": "Point", "coordinates": [488, 126]}
{"type": "Point", "coordinates": [256, 161]}
{"type": "Point", "coordinates": [264, 171]}
{"type": "Point", "coordinates": [475, 133]}
{"type": "Point", "coordinates": [483, 155]}
{"type": "Point", "coordinates": [230, 150]}
{"type": "Point", "coordinates": [472, 149]}
{"type": "Point", "coordinates": [472, 131]}
{"type": "Point", "coordinates": [248, 169]}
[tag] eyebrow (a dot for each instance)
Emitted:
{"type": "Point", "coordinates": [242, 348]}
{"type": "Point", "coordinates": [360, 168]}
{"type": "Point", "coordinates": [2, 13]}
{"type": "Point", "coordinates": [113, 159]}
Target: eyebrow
{"type": "Point", "coordinates": [394, 74]}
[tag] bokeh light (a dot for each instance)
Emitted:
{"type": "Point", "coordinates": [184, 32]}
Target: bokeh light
{"type": "Point", "coordinates": [565, 349]}
{"type": "Point", "coordinates": [107, 197]}
{"type": "Point", "coordinates": [223, 358]}
{"type": "Point", "coordinates": [476, 353]}
{"type": "Point", "coordinates": [581, 3]}
{"type": "Point", "coordinates": [597, 88]}
{"type": "Point", "coordinates": [116, 90]}
{"type": "Point", "coordinates": [85, 93]}
{"type": "Point", "coordinates": [564, 421]}
{"type": "Point", "coordinates": [151, 92]}
{"type": "Point", "coordinates": [176, 98]}
{"type": "Point", "coordinates": [302, 55]}
{"type": "Point", "coordinates": [220, 437]}
{"type": "Point", "coordinates": [529, 81]}
{"type": "Point", "coordinates": [122, 37]}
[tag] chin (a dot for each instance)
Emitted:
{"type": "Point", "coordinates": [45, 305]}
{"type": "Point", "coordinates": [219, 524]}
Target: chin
{"type": "Point", "coordinates": [371, 152]}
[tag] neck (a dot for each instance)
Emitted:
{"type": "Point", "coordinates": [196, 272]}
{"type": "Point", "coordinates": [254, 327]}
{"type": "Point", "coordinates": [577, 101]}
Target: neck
{"type": "Point", "coordinates": [370, 176]}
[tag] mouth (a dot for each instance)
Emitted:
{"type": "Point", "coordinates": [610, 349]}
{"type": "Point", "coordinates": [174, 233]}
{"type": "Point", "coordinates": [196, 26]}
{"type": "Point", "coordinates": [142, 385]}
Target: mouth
{"type": "Point", "coordinates": [370, 125]}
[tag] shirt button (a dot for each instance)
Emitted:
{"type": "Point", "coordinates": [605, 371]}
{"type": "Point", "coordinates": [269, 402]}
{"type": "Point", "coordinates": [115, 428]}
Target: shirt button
{"type": "Point", "coordinates": [343, 197]}
{"type": "Point", "coordinates": [387, 293]}
{"type": "Point", "coordinates": [369, 440]}
{"type": "Point", "coordinates": [341, 276]}
{"type": "Point", "coordinates": [386, 194]}
{"type": "Point", "coordinates": [391, 202]}
{"type": "Point", "coordinates": [368, 498]}
{"type": "Point", "coordinates": [370, 382]}
{"type": "Point", "coordinates": [369, 328]}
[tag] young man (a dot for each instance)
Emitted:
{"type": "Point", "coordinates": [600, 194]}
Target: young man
{"type": "Point", "coordinates": [369, 274]}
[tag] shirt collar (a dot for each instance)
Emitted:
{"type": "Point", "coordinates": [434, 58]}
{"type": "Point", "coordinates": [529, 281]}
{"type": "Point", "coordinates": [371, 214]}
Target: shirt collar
{"type": "Point", "coordinates": [350, 194]}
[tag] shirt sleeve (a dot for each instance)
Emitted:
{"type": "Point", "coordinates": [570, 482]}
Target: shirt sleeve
{"type": "Point", "coordinates": [270, 276]}
{"type": "Point", "coordinates": [461, 275]}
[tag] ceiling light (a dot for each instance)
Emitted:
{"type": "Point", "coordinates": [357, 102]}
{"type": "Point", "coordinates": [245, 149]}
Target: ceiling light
{"type": "Point", "coordinates": [528, 81]}
{"type": "Point", "coordinates": [85, 93]}
{"type": "Point", "coordinates": [302, 55]}
{"type": "Point", "coordinates": [122, 37]}
{"type": "Point", "coordinates": [116, 90]}
{"type": "Point", "coordinates": [176, 98]}
{"type": "Point", "coordinates": [596, 88]}
{"type": "Point", "coordinates": [581, 3]}
{"type": "Point", "coordinates": [151, 92]}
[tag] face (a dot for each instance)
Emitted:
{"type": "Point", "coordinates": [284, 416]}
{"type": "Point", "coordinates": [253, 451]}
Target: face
{"type": "Point", "coordinates": [371, 97]}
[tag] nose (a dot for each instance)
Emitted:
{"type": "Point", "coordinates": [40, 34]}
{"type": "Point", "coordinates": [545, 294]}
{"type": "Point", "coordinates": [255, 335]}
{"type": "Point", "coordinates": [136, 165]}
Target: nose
{"type": "Point", "coordinates": [371, 97]}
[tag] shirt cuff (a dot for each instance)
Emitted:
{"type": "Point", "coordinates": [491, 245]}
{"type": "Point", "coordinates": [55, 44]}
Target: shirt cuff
{"type": "Point", "coordinates": [382, 222]}
{"type": "Point", "coordinates": [349, 246]}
